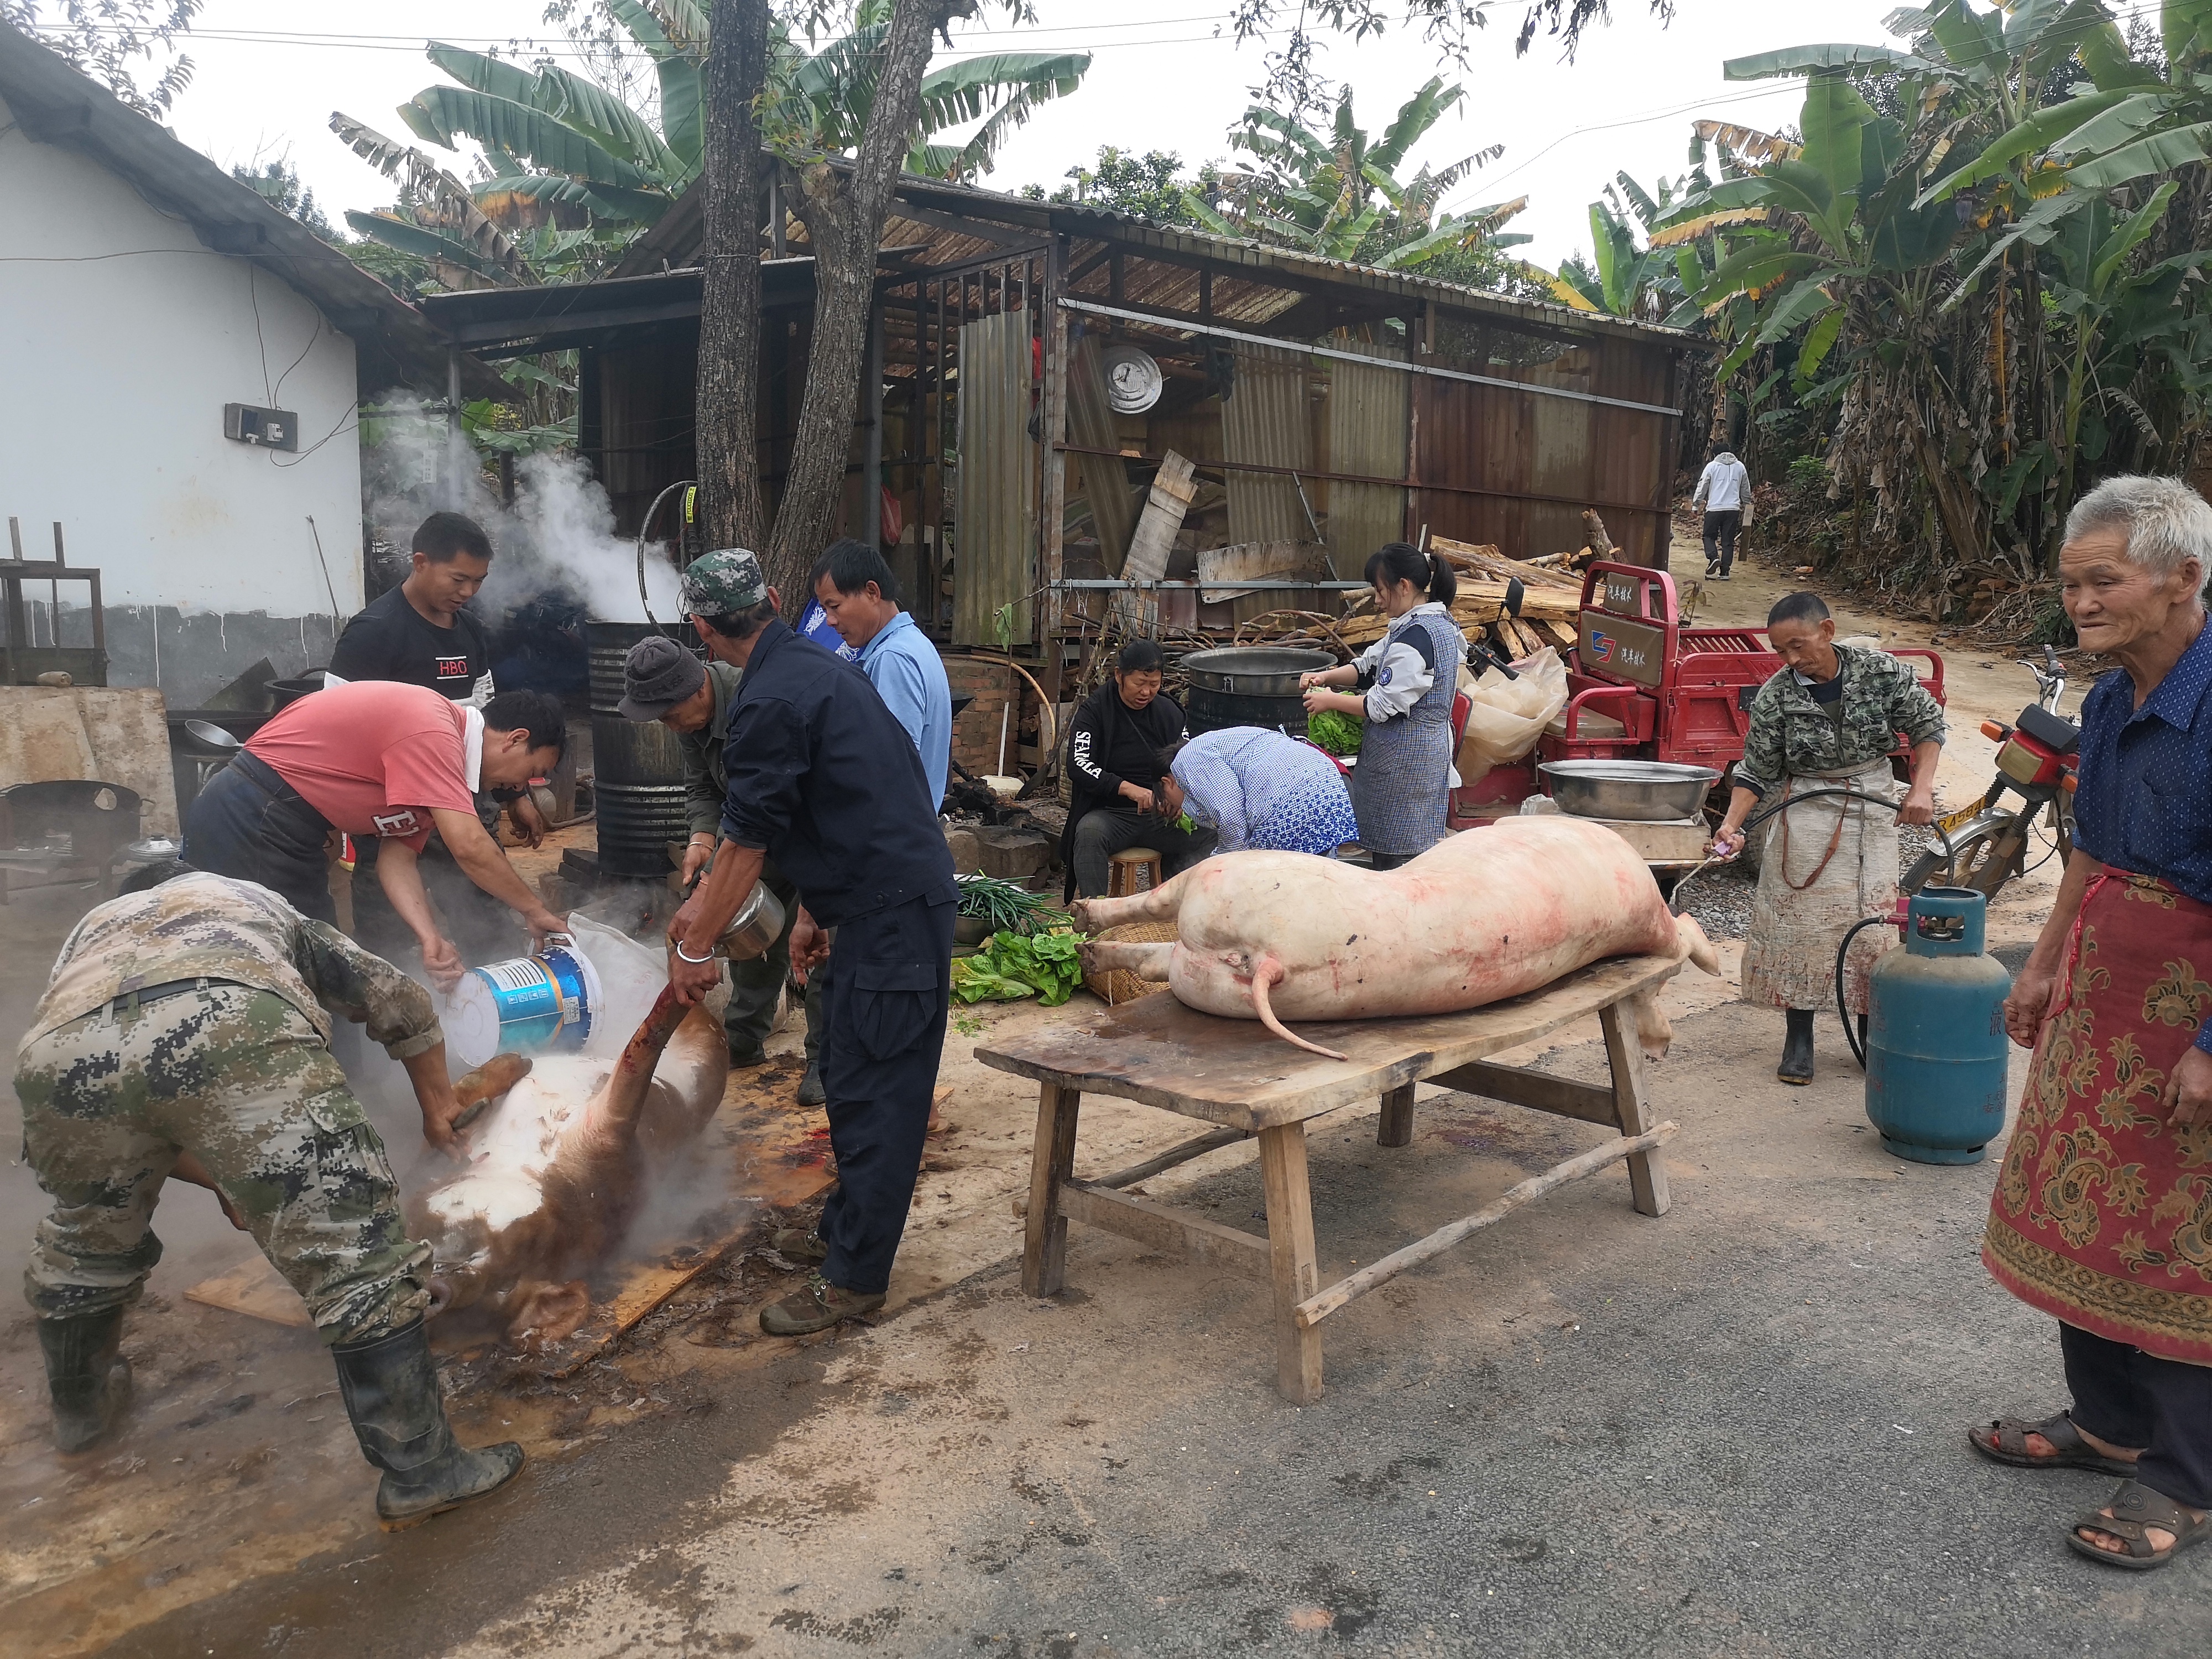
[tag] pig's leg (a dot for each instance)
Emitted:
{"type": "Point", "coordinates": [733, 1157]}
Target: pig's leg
{"type": "Point", "coordinates": [1145, 961]}
{"type": "Point", "coordinates": [1158, 903]}
{"type": "Point", "coordinates": [1691, 941]}
{"type": "Point", "coordinates": [1654, 1031]}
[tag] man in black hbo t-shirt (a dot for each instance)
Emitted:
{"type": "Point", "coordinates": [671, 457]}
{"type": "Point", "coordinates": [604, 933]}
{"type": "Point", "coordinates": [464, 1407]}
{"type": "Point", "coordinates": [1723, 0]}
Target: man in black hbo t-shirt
{"type": "Point", "coordinates": [421, 632]}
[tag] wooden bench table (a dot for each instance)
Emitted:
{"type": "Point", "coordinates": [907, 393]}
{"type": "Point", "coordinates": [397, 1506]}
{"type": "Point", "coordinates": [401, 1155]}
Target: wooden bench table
{"type": "Point", "coordinates": [1231, 1072]}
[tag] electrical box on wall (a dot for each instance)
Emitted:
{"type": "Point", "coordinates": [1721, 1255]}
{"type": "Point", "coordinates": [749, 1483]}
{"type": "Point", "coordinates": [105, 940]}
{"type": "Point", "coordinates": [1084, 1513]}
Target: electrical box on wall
{"type": "Point", "coordinates": [270, 429]}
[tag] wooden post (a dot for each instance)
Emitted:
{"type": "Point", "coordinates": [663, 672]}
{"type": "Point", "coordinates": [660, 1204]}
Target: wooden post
{"type": "Point", "coordinates": [1044, 1249]}
{"type": "Point", "coordinates": [1291, 1258]}
{"type": "Point", "coordinates": [1052, 496]}
{"type": "Point", "coordinates": [1397, 1125]}
{"type": "Point", "coordinates": [1647, 1171]}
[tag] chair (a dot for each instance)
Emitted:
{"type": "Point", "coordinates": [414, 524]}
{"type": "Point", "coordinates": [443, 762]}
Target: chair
{"type": "Point", "coordinates": [65, 829]}
{"type": "Point", "coordinates": [1132, 870]}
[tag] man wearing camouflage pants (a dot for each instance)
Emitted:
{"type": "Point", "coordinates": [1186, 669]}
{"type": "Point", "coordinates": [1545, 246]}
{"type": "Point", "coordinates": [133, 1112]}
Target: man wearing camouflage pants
{"type": "Point", "coordinates": [186, 1031]}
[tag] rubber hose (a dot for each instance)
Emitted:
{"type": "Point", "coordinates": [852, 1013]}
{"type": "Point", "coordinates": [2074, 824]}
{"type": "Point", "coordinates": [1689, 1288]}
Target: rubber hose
{"type": "Point", "coordinates": [1843, 1007]}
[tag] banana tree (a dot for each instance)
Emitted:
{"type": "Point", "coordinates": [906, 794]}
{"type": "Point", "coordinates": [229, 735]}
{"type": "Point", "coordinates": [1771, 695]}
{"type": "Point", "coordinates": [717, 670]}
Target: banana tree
{"type": "Point", "coordinates": [1339, 196]}
{"type": "Point", "coordinates": [1624, 277]}
{"type": "Point", "coordinates": [574, 173]}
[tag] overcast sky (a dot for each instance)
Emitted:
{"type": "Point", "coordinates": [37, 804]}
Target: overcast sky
{"type": "Point", "coordinates": [1164, 75]}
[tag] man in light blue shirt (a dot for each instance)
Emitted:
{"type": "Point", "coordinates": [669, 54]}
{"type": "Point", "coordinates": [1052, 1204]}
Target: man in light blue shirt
{"type": "Point", "coordinates": [859, 594]}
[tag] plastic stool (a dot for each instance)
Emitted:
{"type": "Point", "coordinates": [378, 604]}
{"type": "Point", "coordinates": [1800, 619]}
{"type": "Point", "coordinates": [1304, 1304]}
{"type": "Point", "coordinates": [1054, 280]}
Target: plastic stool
{"type": "Point", "coordinates": [1132, 870]}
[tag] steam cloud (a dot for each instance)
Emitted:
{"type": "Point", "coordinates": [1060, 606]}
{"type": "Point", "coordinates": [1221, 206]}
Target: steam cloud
{"type": "Point", "coordinates": [558, 538]}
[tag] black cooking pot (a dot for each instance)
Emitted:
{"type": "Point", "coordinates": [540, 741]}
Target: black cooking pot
{"type": "Point", "coordinates": [286, 692]}
{"type": "Point", "coordinates": [1250, 685]}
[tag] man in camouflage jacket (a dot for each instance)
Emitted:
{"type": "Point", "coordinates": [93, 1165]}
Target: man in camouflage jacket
{"type": "Point", "coordinates": [185, 1032]}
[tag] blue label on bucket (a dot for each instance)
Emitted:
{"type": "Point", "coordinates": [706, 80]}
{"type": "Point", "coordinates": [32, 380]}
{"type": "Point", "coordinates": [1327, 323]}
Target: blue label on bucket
{"type": "Point", "coordinates": [539, 999]}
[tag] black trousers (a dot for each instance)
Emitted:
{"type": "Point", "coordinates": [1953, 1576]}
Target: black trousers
{"type": "Point", "coordinates": [250, 826]}
{"type": "Point", "coordinates": [1721, 530]}
{"type": "Point", "coordinates": [1109, 829]}
{"type": "Point", "coordinates": [2132, 1399]}
{"type": "Point", "coordinates": [883, 1012]}
{"type": "Point", "coordinates": [482, 928]}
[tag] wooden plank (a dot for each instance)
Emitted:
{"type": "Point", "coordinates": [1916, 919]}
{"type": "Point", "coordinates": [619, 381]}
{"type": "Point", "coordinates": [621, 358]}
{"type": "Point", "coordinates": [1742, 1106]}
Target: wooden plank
{"type": "Point", "coordinates": [1162, 1228]}
{"type": "Point", "coordinates": [1052, 1160]}
{"type": "Point", "coordinates": [1562, 1096]}
{"type": "Point", "coordinates": [1256, 561]}
{"type": "Point", "coordinates": [1169, 498]}
{"type": "Point", "coordinates": [1647, 1171]}
{"type": "Point", "coordinates": [1234, 1073]}
{"type": "Point", "coordinates": [1396, 1128]}
{"type": "Point", "coordinates": [1212, 1140]}
{"type": "Point", "coordinates": [254, 1288]}
{"type": "Point", "coordinates": [1315, 1309]}
{"type": "Point", "coordinates": [1291, 1258]}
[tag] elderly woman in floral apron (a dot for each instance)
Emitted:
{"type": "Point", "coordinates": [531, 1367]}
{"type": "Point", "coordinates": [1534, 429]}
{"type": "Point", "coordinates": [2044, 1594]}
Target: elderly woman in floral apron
{"type": "Point", "coordinates": [2102, 1216]}
{"type": "Point", "coordinates": [1407, 679]}
{"type": "Point", "coordinates": [1829, 719]}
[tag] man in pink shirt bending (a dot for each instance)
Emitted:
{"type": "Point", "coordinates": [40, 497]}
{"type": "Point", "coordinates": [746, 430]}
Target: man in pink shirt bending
{"type": "Point", "coordinates": [384, 759]}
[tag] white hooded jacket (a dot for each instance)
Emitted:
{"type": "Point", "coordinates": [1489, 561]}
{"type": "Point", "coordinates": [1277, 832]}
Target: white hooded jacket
{"type": "Point", "coordinates": [1724, 486]}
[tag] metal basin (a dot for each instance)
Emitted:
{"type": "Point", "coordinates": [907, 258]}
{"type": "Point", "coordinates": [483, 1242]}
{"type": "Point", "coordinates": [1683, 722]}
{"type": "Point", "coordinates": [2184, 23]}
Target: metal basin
{"type": "Point", "coordinates": [1644, 792]}
{"type": "Point", "coordinates": [1254, 671]}
{"type": "Point", "coordinates": [211, 738]}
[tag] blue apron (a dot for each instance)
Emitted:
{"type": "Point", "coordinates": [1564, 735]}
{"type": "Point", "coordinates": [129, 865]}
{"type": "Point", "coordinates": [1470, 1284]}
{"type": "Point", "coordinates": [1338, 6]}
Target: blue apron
{"type": "Point", "coordinates": [1401, 784]}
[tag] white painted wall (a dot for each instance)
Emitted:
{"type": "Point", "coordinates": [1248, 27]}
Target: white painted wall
{"type": "Point", "coordinates": [121, 339]}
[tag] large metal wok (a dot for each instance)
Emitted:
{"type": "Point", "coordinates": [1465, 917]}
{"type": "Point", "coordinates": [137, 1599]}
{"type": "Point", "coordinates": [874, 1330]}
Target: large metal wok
{"type": "Point", "coordinates": [1642, 792]}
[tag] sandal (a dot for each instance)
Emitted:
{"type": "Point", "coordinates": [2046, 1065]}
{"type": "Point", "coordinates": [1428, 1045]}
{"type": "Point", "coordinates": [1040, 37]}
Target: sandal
{"type": "Point", "coordinates": [2008, 1443]}
{"type": "Point", "coordinates": [2135, 1509]}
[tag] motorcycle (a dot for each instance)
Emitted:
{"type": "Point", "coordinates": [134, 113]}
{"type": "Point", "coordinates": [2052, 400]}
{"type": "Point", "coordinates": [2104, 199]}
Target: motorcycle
{"type": "Point", "coordinates": [1989, 837]}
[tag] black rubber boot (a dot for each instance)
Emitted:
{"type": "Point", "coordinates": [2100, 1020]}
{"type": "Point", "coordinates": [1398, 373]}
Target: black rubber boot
{"type": "Point", "coordinates": [811, 1092]}
{"type": "Point", "coordinates": [391, 1391]}
{"type": "Point", "coordinates": [1797, 1048]}
{"type": "Point", "coordinates": [88, 1381]}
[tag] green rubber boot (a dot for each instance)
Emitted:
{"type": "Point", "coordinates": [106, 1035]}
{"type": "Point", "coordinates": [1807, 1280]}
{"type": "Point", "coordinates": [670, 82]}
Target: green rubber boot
{"type": "Point", "coordinates": [88, 1381]}
{"type": "Point", "coordinates": [391, 1391]}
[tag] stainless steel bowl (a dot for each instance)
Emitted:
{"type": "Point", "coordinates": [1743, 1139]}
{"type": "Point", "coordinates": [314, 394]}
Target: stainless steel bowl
{"type": "Point", "coordinates": [213, 737]}
{"type": "Point", "coordinates": [1646, 792]}
{"type": "Point", "coordinates": [757, 924]}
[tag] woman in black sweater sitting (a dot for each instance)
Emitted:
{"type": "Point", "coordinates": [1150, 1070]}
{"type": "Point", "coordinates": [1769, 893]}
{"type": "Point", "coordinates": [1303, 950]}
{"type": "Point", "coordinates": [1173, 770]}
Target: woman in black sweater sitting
{"type": "Point", "coordinates": [1113, 760]}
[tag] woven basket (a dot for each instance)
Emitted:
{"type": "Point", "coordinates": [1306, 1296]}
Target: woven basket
{"type": "Point", "coordinates": [1120, 985]}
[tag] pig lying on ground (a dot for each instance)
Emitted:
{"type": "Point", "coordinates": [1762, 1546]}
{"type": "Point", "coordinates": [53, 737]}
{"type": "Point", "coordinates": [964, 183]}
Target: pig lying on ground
{"type": "Point", "coordinates": [1480, 917]}
{"type": "Point", "coordinates": [557, 1169]}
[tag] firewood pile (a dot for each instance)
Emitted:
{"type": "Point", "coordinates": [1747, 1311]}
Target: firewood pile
{"type": "Point", "coordinates": [1551, 597]}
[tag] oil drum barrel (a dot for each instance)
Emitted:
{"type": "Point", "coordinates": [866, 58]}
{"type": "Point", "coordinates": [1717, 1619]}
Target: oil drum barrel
{"type": "Point", "coordinates": [638, 770]}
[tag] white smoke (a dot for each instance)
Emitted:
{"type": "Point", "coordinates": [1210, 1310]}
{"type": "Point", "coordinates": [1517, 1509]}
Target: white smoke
{"type": "Point", "coordinates": [558, 536]}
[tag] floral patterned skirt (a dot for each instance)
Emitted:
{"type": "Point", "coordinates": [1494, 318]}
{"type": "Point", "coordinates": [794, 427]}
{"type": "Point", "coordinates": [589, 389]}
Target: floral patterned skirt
{"type": "Point", "coordinates": [2102, 1216]}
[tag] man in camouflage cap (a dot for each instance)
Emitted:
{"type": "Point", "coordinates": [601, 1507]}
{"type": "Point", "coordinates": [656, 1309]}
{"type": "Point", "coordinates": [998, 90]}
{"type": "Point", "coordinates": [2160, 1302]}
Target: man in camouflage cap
{"type": "Point", "coordinates": [185, 1032]}
{"type": "Point", "coordinates": [725, 583]}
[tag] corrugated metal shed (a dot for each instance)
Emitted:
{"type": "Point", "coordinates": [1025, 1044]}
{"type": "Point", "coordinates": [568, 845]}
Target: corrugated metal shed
{"type": "Point", "coordinates": [996, 565]}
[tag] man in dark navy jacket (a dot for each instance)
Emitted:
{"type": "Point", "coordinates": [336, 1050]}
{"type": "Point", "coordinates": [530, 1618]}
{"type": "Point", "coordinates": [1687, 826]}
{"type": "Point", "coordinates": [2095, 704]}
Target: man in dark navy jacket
{"type": "Point", "coordinates": [825, 781]}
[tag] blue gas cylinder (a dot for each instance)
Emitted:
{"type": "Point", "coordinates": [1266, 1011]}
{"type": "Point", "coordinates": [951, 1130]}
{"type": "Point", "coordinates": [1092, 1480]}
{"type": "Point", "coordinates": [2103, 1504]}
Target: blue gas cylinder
{"type": "Point", "coordinates": [1936, 1049]}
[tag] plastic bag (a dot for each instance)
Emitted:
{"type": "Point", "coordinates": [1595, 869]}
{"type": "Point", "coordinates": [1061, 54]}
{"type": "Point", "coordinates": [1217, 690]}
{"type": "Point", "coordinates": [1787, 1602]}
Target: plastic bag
{"type": "Point", "coordinates": [1509, 716]}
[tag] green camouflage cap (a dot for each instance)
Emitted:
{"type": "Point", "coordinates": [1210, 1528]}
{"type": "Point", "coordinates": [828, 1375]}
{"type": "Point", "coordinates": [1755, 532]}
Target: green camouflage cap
{"type": "Point", "coordinates": [723, 582]}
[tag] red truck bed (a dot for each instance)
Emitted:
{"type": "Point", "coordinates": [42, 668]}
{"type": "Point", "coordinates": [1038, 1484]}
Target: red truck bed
{"type": "Point", "coordinates": [1641, 686]}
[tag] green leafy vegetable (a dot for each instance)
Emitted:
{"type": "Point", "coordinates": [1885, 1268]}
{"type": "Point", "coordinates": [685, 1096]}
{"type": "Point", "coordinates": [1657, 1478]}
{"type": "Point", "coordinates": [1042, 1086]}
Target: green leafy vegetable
{"type": "Point", "coordinates": [1334, 731]}
{"type": "Point", "coordinates": [1010, 965]}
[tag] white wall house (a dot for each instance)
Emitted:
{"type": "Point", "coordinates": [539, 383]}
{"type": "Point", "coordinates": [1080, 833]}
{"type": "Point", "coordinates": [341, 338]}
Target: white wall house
{"type": "Point", "coordinates": [141, 290]}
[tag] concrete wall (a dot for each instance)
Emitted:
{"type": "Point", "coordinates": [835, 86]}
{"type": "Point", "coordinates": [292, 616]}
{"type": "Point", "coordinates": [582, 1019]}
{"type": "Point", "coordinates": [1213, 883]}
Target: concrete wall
{"type": "Point", "coordinates": [121, 338]}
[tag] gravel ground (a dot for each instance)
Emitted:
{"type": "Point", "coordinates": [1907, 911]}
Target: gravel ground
{"type": "Point", "coordinates": [1719, 897]}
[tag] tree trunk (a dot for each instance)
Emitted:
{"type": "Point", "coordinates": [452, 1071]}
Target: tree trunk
{"type": "Point", "coordinates": [844, 212]}
{"type": "Point", "coordinates": [728, 406]}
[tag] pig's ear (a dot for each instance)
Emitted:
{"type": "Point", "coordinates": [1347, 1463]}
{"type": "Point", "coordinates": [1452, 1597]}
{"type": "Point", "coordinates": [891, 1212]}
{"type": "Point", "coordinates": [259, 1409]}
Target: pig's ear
{"type": "Point", "coordinates": [1653, 1033]}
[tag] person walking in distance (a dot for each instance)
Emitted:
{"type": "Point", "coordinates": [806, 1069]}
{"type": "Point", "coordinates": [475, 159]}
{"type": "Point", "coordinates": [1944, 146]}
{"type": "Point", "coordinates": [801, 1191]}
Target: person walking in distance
{"type": "Point", "coordinates": [1724, 491]}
